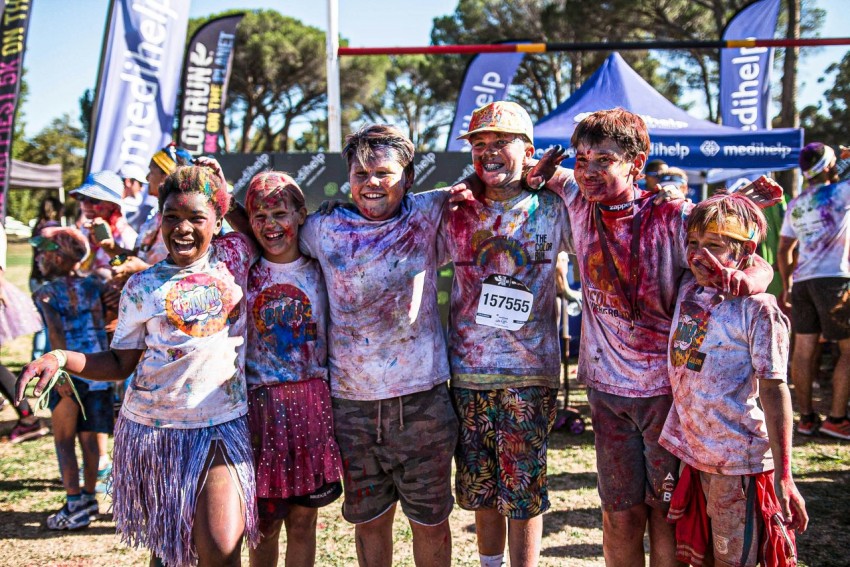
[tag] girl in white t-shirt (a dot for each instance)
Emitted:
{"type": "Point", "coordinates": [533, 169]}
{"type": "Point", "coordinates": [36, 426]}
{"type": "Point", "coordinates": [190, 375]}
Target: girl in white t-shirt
{"type": "Point", "coordinates": [289, 402]}
{"type": "Point", "coordinates": [183, 474]}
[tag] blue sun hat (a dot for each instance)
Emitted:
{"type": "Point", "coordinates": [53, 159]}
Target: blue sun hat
{"type": "Point", "coordinates": [103, 186]}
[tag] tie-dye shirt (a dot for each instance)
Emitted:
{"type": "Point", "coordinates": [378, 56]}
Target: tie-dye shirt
{"type": "Point", "coordinates": [151, 248]}
{"type": "Point", "coordinates": [287, 328]}
{"type": "Point", "coordinates": [718, 353]}
{"type": "Point", "coordinates": [616, 357]}
{"type": "Point", "coordinates": [191, 323]}
{"type": "Point", "coordinates": [820, 221]}
{"type": "Point", "coordinates": [78, 302]}
{"type": "Point", "coordinates": [384, 337]}
{"type": "Point", "coordinates": [520, 238]}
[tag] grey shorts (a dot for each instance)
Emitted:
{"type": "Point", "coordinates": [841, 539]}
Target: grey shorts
{"type": "Point", "coordinates": [397, 449]}
{"type": "Point", "coordinates": [821, 306]}
{"type": "Point", "coordinates": [632, 467]}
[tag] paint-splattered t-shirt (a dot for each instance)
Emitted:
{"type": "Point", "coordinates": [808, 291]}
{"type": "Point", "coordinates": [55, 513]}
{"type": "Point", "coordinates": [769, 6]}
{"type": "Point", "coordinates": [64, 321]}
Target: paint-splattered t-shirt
{"type": "Point", "coordinates": [519, 238]}
{"type": "Point", "coordinates": [820, 221]}
{"type": "Point", "coordinates": [718, 353]}
{"type": "Point", "coordinates": [384, 335]}
{"type": "Point", "coordinates": [78, 302]}
{"type": "Point", "coordinates": [287, 328]}
{"type": "Point", "coordinates": [615, 356]}
{"type": "Point", "coordinates": [191, 323]}
{"type": "Point", "coordinates": [151, 248]}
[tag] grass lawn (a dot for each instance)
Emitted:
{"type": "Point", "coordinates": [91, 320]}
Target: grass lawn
{"type": "Point", "coordinates": [30, 489]}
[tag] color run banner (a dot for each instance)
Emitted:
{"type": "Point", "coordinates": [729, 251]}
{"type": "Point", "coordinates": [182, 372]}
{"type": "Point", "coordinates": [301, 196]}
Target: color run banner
{"type": "Point", "coordinates": [133, 113]}
{"type": "Point", "coordinates": [488, 77]}
{"type": "Point", "coordinates": [745, 72]}
{"type": "Point", "coordinates": [13, 31]}
{"type": "Point", "coordinates": [205, 76]}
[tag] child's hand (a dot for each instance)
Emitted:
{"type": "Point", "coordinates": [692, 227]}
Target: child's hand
{"type": "Point", "coordinates": [122, 272]}
{"type": "Point", "coordinates": [469, 187]}
{"type": "Point", "coordinates": [545, 168]}
{"type": "Point", "coordinates": [100, 228]}
{"type": "Point", "coordinates": [327, 207]}
{"type": "Point", "coordinates": [43, 368]}
{"type": "Point", "coordinates": [726, 280]}
{"type": "Point", "coordinates": [792, 503]}
{"type": "Point", "coordinates": [213, 164]}
{"type": "Point", "coordinates": [668, 192]}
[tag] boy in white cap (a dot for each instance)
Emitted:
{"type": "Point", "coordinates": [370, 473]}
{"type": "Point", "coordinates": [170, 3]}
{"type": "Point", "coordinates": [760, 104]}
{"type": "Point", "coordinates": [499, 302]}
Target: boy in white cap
{"type": "Point", "coordinates": [503, 339]}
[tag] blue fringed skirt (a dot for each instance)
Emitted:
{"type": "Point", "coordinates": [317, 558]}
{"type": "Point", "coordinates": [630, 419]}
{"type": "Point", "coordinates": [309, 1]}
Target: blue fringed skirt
{"type": "Point", "coordinates": [157, 474]}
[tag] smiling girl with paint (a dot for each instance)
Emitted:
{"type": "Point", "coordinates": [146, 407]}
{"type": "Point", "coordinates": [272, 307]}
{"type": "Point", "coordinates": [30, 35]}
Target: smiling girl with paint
{"type": "Point", "coordinates": [289, 403]}
{"type": "Point", "coordinates": [184, 475]}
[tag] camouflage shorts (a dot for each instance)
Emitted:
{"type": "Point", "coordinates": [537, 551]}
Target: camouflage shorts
{"type": "Point", "coordinates": [397, 449]}
{"type": "Point", "coordinates": [501, 455]}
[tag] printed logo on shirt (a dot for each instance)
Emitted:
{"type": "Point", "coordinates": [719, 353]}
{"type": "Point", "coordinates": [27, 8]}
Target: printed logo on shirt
{"type": "Point", "coordinates": [689, 335]}
{"type": "Point", "coordinates": [601, 294]}
{"type": "Point", "coordinates": [199, 305]}
{"type": "Point", "coordinates": [283, 316]}
{"type": "Point", "coordinates": [504, 254]}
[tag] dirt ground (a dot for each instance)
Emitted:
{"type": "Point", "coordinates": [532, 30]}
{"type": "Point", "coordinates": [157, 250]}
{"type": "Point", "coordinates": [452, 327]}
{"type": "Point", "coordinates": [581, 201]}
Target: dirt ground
{"type": "Point", "coordinates": [30, 490]}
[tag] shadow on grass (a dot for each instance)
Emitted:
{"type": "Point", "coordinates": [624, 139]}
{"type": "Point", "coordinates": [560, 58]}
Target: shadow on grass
{"type": "Point", "coordinates": [827, 497]}
{"type": "Point", "coordinates": [30, 525]}
{"type": "Point", "coordinates": [578, 550]}
{"type": "Point", "coordinates": [563, 520]}
{"type": "Point", "coordinates": [572, 481]}
{"type": "Point", "coordinates": [30, 484]}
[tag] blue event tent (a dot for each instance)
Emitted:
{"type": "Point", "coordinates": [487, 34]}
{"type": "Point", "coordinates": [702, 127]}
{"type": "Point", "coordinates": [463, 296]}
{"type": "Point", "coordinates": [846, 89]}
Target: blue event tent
{"type": "Point", "coordinates": [676, 137]}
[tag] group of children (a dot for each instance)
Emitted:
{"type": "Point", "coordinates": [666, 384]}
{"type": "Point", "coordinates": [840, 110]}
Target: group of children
{"type": "Point", "coordinates": [243, 352]}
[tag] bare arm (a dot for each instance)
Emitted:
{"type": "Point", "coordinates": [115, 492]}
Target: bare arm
{"type": "Point", "coordinates": [786, 262]}
{"type": "Point", "coordinates": [776, 402]}
{"type": "Point", "coordinates": [107, 366]}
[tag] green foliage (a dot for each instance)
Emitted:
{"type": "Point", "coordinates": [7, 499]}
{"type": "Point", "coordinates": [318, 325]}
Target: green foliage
{"type": "Point", "coordinates": [61, 142]}
{"type": "Point", "coordinates": [829, 124]}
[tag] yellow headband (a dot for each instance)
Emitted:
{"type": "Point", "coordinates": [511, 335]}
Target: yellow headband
{"type": "Point", "coordinates": [733, 228]}
{"type": "Point", "coordinates": [164, 161]}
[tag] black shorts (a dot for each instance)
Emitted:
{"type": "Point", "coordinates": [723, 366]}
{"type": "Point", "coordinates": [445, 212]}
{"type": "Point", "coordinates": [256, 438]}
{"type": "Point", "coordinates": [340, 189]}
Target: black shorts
{"type": "Point", "coordinates": [100, 416]}
{"type": "Point", "coordinates": [821, 306]}
{"type": "Point", "coordinates": [278, 508]}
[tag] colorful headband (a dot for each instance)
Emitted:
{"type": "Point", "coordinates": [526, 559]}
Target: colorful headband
{"type": "Point", "coordinates": [824, 163]}
{"type": "Point", "coordinates": [733, 228]}
{"type": "Point", "coordinates": [170, 156]}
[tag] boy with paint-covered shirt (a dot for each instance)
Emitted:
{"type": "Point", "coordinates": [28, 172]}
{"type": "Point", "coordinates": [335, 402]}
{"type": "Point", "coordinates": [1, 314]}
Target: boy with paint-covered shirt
{"type": "Point", "coordinates": [731, 419]}
{"type": "Point", "coordinates": [632, 258]}
{"type": "Point", "coordinates": [503, 340]}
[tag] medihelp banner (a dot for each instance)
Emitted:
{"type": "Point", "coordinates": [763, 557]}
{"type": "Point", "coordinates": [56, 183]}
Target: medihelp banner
{"type": "Point", "coordinates": [205, 76]}
{"type": "Point", "coordinates": [137, 88]}
{"type": "Point", "coordinates": [488, 77]}
{"type": "Point", "coordinates": [13, 30]}
{"type": "Point", "coordinates": [745, 72]}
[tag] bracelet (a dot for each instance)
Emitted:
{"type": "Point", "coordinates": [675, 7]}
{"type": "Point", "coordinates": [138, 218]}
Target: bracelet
{"type": "Point", "coordinates": [61, 357]}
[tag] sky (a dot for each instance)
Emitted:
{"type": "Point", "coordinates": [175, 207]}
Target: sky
{"type": "Point", "coordinates": [61, 65]}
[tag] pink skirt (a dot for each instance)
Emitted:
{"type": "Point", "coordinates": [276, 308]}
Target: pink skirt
{"type": "Point", "coordinates": [19, 316]}
{"type": "Point", "coordinates": [292, 435]}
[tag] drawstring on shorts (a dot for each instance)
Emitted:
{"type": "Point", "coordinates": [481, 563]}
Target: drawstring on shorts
{"type": "Point", "coordinates": [380, 429]}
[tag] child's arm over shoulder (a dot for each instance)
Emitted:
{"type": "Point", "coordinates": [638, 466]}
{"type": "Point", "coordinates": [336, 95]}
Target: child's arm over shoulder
{"type": "Point", "coordinates": [310, 233]}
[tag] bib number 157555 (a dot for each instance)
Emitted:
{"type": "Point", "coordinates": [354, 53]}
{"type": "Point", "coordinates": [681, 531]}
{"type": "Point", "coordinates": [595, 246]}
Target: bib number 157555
{"type": "Point", "coordinates": [505, 303]}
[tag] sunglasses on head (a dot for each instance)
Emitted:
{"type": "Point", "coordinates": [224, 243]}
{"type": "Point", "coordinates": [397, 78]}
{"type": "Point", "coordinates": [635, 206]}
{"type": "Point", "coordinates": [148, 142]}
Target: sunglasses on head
{"type": "Point", "coordinates": [90, 200]}
{"type": "Point", "coordinates": [43, 244]}
{"type": "Point", "coordinates": [652, 173]}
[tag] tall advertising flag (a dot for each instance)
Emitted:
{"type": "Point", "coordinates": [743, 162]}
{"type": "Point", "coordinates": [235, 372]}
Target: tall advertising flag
{"type": "Point", "coordinates": [745, 72]}
{"type": "Point", "coordinates": [206, 72]}
{"type": "Point", "coordinates": [488, 77]}
{"type": "Point", "coordinates": [13, 30]}
{"type": "Point", "coordinates": [136, 94]}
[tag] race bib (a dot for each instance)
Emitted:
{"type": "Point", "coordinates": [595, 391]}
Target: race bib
{"type": "Point", "coordinates": [505, 303]}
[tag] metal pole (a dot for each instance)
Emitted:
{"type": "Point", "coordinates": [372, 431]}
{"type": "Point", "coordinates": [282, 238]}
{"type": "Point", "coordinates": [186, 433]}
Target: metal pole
{"type": "Point", "coordinates": [334, 114]}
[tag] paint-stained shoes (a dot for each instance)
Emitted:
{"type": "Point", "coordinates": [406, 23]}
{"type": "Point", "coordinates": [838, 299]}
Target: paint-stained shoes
{"type": "Point", "coordinates": [840, 430]}
{"type": "Point", "coordinates": [809, 424]}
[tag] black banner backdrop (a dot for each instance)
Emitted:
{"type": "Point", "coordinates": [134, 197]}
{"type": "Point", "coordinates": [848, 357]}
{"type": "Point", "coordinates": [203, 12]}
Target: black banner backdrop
{"type": "Point", "coordinates": [206, 72]}
{"type": "Point", "coordinates": [13, 37]}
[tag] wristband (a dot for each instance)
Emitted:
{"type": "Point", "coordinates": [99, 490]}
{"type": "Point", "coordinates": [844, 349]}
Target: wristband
{"type": "Point", "coordinates": [61, 357]}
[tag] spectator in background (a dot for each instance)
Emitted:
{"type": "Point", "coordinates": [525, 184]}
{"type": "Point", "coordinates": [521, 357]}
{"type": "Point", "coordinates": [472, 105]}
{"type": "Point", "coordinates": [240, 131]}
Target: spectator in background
{"type": "Point", "coordinates": [100, 201]}
{"type": "Point", "coordinates": [49, 214]}
{"type": "Point", "coordinates": [818, 223]}
{"type": "Point", "coordinates": [652, 172]}
{"type": "Point", "coordinates": [136, 204]}
{"type": "Point", "coordinates": [17, 317]}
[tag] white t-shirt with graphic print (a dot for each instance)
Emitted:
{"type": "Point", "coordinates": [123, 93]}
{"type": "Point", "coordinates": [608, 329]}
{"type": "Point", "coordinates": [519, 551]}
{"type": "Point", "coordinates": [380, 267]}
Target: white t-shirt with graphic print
{"type": "Point", "coordinates": [191, 323]}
